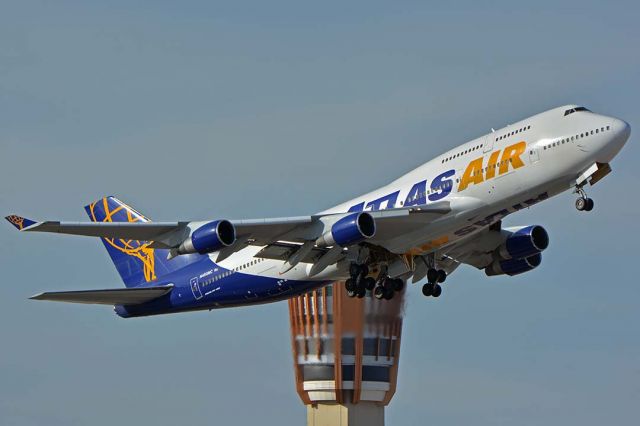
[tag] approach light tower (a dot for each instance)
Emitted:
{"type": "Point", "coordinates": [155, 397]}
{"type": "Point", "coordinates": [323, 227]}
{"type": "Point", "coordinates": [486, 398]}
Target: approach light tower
{"type": "Point", "coordinates": [345, 355]}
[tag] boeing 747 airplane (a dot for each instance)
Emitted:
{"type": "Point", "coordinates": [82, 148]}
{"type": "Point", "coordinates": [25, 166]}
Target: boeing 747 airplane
{"type": "Point", "coordinates": [426, 223]}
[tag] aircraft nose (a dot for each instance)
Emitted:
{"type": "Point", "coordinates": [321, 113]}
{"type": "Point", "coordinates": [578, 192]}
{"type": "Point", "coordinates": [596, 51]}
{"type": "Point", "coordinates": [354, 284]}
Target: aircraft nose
{"type": "Point", "coordinates": [624, 130]}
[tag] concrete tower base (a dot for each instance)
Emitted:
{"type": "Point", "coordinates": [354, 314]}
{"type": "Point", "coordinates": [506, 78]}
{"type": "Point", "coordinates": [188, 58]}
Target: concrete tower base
{"type": "Point", "coordinates": [361, 414]}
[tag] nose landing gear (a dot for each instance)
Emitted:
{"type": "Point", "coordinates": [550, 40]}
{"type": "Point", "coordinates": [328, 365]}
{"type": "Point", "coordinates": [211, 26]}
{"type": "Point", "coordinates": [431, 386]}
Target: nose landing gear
{"type": "Point", "coordinates": [583, 203]}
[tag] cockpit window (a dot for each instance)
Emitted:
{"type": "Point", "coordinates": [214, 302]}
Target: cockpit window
{"type": "Point", "coordinates": [576, 109]}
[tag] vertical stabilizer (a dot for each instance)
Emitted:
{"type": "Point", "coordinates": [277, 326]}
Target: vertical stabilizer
{"type": "Point", "coordinates": [135, 261]}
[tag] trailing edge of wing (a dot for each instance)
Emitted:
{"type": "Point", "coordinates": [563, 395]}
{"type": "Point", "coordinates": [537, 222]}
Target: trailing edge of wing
{"type": "Point", "coordinates": [116, 296]}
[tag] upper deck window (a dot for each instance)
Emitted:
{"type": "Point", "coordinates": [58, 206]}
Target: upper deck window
{"type": "Point", "coordinates": [576, 109]}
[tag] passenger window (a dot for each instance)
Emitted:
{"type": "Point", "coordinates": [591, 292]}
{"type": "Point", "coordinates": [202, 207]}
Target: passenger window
{"type": "Point", "coordinates": [608, 127]}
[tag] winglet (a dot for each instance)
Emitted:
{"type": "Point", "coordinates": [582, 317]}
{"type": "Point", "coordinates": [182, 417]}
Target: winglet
{"type": "Point", "coordinates": [20, 222]}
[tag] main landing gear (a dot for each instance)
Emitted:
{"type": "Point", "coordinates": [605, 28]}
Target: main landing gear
{"type": "Point", "coordinates": [583, 203]}
{"type": "Point", "coordinates": [383, 288]}
{"type": "Point", "coordinates": [359, 283]}
{"type": "Point", "coordinates": [432, 288]}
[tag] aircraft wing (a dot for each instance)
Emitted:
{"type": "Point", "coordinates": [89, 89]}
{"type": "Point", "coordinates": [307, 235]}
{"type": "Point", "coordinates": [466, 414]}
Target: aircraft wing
{"type": "Point", "coordinates": [389, 223]}
{"type": "Point", "coordinates": [115, 296]}
{"type": "Point", "coordinates": [476, 251]}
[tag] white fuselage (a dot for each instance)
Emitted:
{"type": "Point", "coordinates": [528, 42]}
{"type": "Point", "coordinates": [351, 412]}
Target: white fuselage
{"type": "Point", "coordinates": [484, 180]}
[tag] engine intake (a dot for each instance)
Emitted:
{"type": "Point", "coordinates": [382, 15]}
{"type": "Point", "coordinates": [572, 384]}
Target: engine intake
{"type": "Point", "coordinates": [208, 238]}
{"type": "Point", "coordinates": [351, 229]}
{"type": "Point", "coordinates": [514, 266]}
{"type": "Point", "coordinates": [524, 242]}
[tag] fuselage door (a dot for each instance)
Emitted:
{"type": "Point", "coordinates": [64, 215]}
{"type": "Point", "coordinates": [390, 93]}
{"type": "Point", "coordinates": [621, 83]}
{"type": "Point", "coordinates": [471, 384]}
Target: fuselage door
{"type": "Point", "coordinates": [195, 288]}
{"type": "Point", "coordinates": [488, 142]}
{"type": "Point", "coordinates": [534, 155]}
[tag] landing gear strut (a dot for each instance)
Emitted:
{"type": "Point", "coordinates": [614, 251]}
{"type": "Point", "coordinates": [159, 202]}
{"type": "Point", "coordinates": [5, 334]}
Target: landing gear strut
{"type": "Point", "coordinates": [583, 203]}
{"type": "Point", "coordinates": [432, 288]}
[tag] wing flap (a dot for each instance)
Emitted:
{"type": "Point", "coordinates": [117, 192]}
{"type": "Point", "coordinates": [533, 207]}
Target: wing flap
{"type": "Point", "coordinates": [284, 250]}
{"type": "Point", "coordinates": [395, 222]}
{"type": "Point", "coordinates": [115, 296]}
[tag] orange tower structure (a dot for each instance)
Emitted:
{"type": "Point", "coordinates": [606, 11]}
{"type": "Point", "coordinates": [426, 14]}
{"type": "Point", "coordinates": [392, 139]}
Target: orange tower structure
{"type": "Point", "coordinates": [345, 354]}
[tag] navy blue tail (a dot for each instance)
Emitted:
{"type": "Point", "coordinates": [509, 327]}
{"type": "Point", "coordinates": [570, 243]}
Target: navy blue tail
{"type": "Point", "coordinates": [136, 262]}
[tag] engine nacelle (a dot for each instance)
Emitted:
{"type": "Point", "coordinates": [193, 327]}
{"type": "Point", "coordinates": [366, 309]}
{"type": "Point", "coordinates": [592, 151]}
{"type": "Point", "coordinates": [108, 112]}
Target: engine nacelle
{"type": "Point", "coordinates": [513, 266]}
{"type": "Point", "coordinates": [351, 229]}
{"type": "Point", "coordinates": [524, 242]}
{"type": "Point", "coordinates": [208, 238]}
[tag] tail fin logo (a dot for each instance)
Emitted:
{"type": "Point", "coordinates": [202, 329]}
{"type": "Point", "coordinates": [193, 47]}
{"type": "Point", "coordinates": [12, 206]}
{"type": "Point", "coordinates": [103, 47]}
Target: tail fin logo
{"type": "Point", "coordinates": [110, 209]}
{"type": "Point", "coordinates": [17, 221]}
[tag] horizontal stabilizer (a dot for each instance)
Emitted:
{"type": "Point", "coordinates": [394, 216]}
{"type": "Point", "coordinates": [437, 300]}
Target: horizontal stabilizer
{"type": "Point", "coordinates": [20, 222]}
{"type": "Point", "coordinates": [116, 296]}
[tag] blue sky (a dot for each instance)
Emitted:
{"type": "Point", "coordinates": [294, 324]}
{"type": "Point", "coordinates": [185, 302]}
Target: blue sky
{"type": "Point", "coordinates": [192, 110]}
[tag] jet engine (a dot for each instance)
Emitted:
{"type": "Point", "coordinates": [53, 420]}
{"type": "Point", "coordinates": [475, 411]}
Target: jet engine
{"type": "Point", "coordinates": [523, 242]}
{"type": "Point", "coordinates": [514, 266]}
{"type": "Point", "coordinates": [349, 230]}
{"type": "Point", "coordinates": [209, 238]}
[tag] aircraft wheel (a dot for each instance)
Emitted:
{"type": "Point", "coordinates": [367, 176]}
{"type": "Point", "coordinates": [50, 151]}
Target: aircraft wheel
{"type": "Point", "coordinates": [361, 292]}
{"type": "Point", "coordinates": [398, 284]}
{"type": "Point", "coordinates": [589, 206]}
{"type": "Point", "coordinates": [442, 276]}
{"type": "Point", "coordinates": [349, 285]}
{"type": "Point", "coordinates": [581, 204]}
{"type": "Point", "coordinates": [432, 275]}
{"type": "Point", "coordinates": [378, 292]}
{"type": "Point", "coordinates": [437, 290]}
{"type": "Point", "coordinates": [388, 283]}
{"type": "Point", "coordinates": [388, 294]}
{"type": "Point", "coordinates": [369, 283]}
{"type": "Point", "coordinates": [351, 293]}
{"type": "Point", "coordinates": [427, 289]}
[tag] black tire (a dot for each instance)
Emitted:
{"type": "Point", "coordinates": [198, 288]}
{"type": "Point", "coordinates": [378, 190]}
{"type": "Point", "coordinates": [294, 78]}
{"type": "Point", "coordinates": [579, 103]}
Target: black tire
{"type": "Point", "coordinates": [432, 275]}
{"type": "Point", "coordinates": [590, 204]}
{"type": "Point", "coordinates": [388, 294]}
{"type": "Point", "coordinates": [361, 292]}
{"type": "Point", "coordinates": [378, 292]}
{"type": "Point", "coordinates": [427, 289]}
{"type": "Point", "coordinates": [442, 276]}
{"type": "Point", "coordinates": [388, 283]}
{"type": "Point", "coordinates": [398, 284]}
{"type": "Point", "coordinates": [437, 291]}
{"type": "Point", "coordinates": [349, 285]}
{"type": "Point", "coordinates": [369, 283]}
{"type": "Point", "coordinates": [581, 204]}
{"type": "Point", "coordinates": [351, 293]}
